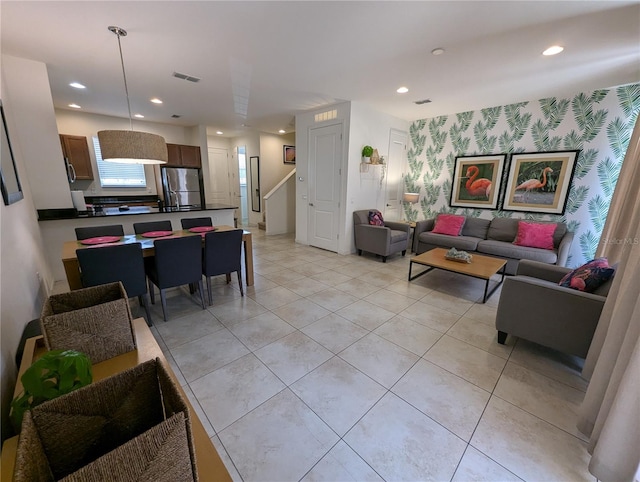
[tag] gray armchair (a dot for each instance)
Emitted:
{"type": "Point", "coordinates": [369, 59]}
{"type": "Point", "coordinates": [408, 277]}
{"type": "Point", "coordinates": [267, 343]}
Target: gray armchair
{"type": "Point", "coordinates": [534, 307]}
{"type": "Point", "coordinates": [381, 240]}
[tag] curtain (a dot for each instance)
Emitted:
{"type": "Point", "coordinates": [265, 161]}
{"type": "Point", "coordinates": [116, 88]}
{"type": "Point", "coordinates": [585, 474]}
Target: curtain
{"type": "Point", "coordinates": [610, 412]}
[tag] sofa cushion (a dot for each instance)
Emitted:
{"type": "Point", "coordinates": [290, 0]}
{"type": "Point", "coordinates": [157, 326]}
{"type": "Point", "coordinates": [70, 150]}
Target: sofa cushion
{"type": "Point", "coordinates": [508, 250]}
{"type": "Point", "coordinates": [397, 236]}
{"type": "Point", "coordinates": [503, 229]}
{"type": "Point", "coordinates": [375, 218]}
{"type": "Point", "coordinates": [535, 235]}
{"type": "Point", "coordinates": [476, 227]}
{"type": "Point", "coordinates": [465, 243]}
{"type": "Point", "coordinates": [449, 224]}
{"type": "Point", "coordinates": [589, 276]}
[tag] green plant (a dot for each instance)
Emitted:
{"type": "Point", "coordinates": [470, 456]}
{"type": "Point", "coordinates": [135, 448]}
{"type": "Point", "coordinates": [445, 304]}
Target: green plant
{"type": "Point", "coordinates": [55, 373]}
{"type": "Point", "coordinates": [367, 151]}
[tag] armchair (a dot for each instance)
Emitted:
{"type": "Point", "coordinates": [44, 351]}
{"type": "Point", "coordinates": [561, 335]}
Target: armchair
{"type": "Point", "coordinates": [381, 240]}
{"type": "Point", "coordinates": [534, 307]}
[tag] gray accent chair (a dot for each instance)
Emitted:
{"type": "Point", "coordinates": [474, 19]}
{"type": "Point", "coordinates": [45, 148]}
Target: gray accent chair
{"type": "Point", "coordinates": [381, 240]}
{"type": "Point", "coordinates": [534, 307]}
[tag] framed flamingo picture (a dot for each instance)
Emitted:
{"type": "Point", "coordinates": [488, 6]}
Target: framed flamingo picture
{"type": "Point", "coordinates": [476, 181]}
{"type": "Point", "coordinates": [539, 182]}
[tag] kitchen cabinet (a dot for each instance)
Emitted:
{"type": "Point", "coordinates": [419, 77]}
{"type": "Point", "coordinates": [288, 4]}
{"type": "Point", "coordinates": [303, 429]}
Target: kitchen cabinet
{"type": "Point", "coordinates": [181, 155]}
{"type": "Point", "coordinates": [75, 150]}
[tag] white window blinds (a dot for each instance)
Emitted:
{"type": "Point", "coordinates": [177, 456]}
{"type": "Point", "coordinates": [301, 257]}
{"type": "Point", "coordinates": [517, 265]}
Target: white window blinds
{"type": "Point", "coordinates": [114, 174]}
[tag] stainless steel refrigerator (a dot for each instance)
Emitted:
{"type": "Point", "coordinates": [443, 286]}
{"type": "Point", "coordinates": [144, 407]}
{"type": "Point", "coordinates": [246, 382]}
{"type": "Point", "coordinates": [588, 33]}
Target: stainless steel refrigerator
{"type": "Point", "coordinates": [182, 187]}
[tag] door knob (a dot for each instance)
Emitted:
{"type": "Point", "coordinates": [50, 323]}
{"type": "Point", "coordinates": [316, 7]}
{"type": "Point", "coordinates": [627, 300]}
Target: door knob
{"type": "Point", "coordinates": [310, 204]}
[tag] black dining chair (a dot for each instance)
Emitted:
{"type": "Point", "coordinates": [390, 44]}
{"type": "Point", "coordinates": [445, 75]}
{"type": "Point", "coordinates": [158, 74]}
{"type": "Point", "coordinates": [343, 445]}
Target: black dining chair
{"type": "Point", "coordinates": [178, 261]}
{"type": "Point", "coordinates": [141, 228]}
{"type": "Point", "coordinates": [95, 231]}
{"type": "Point", "coordinates": [188, 223]}
{"type": "Point", "coordinates": [122, 262]}
{"type": "Point", "coordinates": [222, 255]}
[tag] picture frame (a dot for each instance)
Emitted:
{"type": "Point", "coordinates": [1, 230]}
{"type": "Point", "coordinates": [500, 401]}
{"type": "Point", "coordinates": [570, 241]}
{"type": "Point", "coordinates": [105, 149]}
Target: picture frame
{"type": "Point", "coordinates": [476, 181]}
{"type": "Point", "coordinates": [539, 182]}
{"type": "Point", "coordinates": [9, 180]}
{"type": "Point", "coordinates": [289, 154]}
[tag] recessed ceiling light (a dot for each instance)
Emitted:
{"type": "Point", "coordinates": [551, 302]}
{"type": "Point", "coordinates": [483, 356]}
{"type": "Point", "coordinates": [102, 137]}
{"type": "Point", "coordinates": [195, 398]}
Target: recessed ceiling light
{"type": "Point", "coordinates": [281, 131]}
{"type": "Point", "coordinates": [402, 90]}
{"type": "Point", "coordinates": [155, 100]}
{"type": "Point", "coordinates": [75, 106]}
{"type": "Point", "coordinates": [438, 51]}
{"type": "Point", "coordinates": [553, 50]}
{"type": "Point", "coordinates": [219, 133]}
{"type": "Point", "coordinates": [139, 116]}
{"type": "Point", "coordinates": [77, 85]}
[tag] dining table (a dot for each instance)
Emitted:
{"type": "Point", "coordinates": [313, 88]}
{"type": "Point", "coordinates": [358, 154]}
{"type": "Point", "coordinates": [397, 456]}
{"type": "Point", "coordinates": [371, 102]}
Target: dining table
{"type": "Point", "coordinates": [72, 267]}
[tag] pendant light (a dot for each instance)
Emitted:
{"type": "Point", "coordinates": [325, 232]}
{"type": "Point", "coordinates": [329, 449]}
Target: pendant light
{"type": "Point", "coordinates": [131, 147]}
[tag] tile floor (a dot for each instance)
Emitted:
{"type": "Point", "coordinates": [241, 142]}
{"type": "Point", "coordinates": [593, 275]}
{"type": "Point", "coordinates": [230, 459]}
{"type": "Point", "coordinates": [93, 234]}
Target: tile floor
{"type": "Point", "coordinates": [335, 368]}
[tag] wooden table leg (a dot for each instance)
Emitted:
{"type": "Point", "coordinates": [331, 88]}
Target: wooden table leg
{"type": "Point", "coordinates": [248, 257]}
{"type": "Point", "coordinates": [72, 270]}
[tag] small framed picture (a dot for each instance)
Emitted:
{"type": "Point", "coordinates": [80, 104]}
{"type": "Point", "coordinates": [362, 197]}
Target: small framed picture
{"type": "Point", "coordinates": [539, 181]}
{"type": "Point", "coordinates": [476, 181]}
{"type": "Point", "coordinates": [289, 154]}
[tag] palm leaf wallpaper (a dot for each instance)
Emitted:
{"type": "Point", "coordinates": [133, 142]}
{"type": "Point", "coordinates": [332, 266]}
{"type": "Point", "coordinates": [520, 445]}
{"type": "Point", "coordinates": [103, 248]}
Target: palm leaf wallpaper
{"type": "Point", "coordinates": [599, 123]}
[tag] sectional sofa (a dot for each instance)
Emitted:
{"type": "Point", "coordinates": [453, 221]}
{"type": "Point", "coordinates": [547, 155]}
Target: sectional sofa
{"type": "Point", "coordinates": [494, 237]}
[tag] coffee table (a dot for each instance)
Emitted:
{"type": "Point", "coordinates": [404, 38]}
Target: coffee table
{"type": "Point", "coordinates": [482, 267]}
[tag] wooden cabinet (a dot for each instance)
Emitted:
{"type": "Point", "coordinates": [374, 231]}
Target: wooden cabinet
{"type": "Point", "coordinates": [181, 155]}
{"type": "Point", "coordinates": [76, 152]}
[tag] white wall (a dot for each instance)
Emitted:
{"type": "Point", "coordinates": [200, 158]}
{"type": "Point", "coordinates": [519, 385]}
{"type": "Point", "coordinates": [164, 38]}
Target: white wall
{"type": "Point", "coordinates": [85, 124]}
{"type": "Point", "coordinates": [280, 204]}
{"type": "Point", "coordinates": [25, 276]}
{"type": "Point", "coordinates": [27, 83]}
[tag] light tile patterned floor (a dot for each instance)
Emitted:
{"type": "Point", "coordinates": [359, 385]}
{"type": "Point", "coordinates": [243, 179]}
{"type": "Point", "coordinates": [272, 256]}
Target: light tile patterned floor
{"type": "Point", "coordinates": [335, 368]}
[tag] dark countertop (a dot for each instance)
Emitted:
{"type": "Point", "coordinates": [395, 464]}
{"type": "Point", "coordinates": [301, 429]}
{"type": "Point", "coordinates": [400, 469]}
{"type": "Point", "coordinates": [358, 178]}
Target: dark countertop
{"type": "Point", "coordinates": [71, 213]}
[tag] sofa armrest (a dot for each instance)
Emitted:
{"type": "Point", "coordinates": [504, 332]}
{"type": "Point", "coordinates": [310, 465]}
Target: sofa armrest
{"type": "Point", "coordinates": [397, 226]}
{"type": "Point", "coordinates": [543, 271]}
{"type": "Point", "coordinates": [563, 248]}
{"type": "Point", "coordinates": [421, 227]}
{"type": "Point", "coordinates": [373, 239]}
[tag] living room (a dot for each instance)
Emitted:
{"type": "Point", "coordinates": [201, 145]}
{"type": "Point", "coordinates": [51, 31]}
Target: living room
{"type": "Point", "coordinates": [429, 165]}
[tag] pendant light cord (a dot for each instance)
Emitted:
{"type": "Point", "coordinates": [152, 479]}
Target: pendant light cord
{"type": "Point", "coordinates": [117, 31]}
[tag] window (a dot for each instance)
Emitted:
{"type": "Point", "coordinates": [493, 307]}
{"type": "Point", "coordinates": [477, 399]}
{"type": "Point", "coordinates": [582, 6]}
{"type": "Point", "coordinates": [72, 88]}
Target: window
{"type": "Point", "coordinates": [114, 174]}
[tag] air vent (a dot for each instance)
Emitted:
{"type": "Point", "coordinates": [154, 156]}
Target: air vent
{"type": "Point", "coordinates": [190, 78]}
{"type": "Point", "coordinates": [175, 116]}
{"type": "Point", "coordinates": [423, 101]}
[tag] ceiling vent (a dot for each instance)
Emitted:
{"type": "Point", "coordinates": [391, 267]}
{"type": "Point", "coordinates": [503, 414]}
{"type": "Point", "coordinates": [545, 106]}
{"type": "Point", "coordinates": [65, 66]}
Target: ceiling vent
{"type": "Point", "coordinates": [190, 78]}
{"type": "Point", "coordinates": [175, 116]}
{"type": "Point", "coordinates": [423, 101]}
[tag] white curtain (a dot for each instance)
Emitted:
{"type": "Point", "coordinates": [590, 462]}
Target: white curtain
{"type": "Point", "coordinates": [610, 413]}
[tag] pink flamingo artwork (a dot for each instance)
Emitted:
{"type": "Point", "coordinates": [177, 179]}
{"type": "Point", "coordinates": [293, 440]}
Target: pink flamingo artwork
{"type": "Point", "coordinates": [477, 187]}
{"type": "Point", "coordinates": [535, 183]}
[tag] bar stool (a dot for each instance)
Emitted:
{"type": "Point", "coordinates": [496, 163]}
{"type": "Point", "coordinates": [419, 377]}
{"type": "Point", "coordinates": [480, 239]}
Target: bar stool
{"type": "Point", "coordinates": [188, 223]}
{"type": "Point", "coordinates": [222, 255]}
{"type": "Point", "coordinates": [95, 231]}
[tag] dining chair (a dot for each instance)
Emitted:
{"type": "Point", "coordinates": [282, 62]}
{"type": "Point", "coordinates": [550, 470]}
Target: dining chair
{"type": "Point", "coordinates": [188, 223]}
{"type": "Point", "coordinates": [222, 255]}
{"type": "Point", "coordinates": [141, 228]}
{"type": "Point", "coordinates": [178, 261]}
{"type": "Point", "coordinates": [122, 262]}
{"type": "Point", "coordinates": [94, 231]}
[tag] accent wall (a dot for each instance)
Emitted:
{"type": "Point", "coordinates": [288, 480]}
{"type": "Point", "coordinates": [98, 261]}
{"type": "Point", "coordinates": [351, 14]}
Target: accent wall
{"type": "Point", "coordinates": [598, 123]}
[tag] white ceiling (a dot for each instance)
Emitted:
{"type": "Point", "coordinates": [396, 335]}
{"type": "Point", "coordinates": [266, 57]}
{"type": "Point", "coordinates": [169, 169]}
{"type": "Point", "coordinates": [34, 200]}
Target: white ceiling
{"type": "Point", "coordinates": [263, 62]}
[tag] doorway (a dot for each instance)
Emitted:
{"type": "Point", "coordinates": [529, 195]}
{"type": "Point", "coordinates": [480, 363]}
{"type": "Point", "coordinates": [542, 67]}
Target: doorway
{"type": "Point", "coordinates": [242, 178]}
{"type": "Point", "coordinates": [325, 181]}
{"type": "Point", "coordinates": [396, 163]}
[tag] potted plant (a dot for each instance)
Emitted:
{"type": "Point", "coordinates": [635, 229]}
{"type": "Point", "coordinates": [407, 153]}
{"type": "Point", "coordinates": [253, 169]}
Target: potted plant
{"type": "Point", "coordinates": [56, 373]}
{"type": "Point", "coordinates": [367, 151]}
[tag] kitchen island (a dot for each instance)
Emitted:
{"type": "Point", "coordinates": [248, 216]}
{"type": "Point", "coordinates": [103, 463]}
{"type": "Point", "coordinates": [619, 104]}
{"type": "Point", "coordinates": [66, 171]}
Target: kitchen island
{"type": "Point", "coordinates": [56, 231]}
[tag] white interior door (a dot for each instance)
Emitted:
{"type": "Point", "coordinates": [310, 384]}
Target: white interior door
{"type": "Point", "coordinates": [325, 170]}
{"type": "Point", "coordinates": [395, 169]}
{"type": "Point", "coordinates": [219, 175]}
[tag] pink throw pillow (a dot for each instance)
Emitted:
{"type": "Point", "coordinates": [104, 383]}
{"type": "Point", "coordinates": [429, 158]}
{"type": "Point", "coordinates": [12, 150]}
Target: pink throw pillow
{"type": "Point", "coordinates": [375, 218]}
{"type": "Point", "coordinates": [535, 235]}
{"type": "Point", "coordinates": [450, 224]}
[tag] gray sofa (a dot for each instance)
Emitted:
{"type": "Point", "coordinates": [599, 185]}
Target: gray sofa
{"type": "Point", "coordinates": [493, 237]}
{"type": "Point", "coordinates": [381, 240]}
{"type": "Point", "coordinates": [534, 307]}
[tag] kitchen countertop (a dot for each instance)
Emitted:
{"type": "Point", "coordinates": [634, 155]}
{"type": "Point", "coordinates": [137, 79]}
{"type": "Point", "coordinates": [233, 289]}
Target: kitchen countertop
{"type": "Point", "coordinates": [54, 214]}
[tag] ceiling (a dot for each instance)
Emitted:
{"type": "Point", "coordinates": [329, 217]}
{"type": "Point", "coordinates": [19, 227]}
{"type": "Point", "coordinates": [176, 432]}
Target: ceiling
{"type": "Point", "coordinates": [263, 62]}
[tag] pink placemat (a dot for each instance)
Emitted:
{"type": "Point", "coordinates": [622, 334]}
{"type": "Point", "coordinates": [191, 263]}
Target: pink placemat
{"type": "Point", "coordinates": [100, 240]}
{"type": "Point", "coordinates": [157, 234]}
{"type": "Point", "coordinates": [202, 229]}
